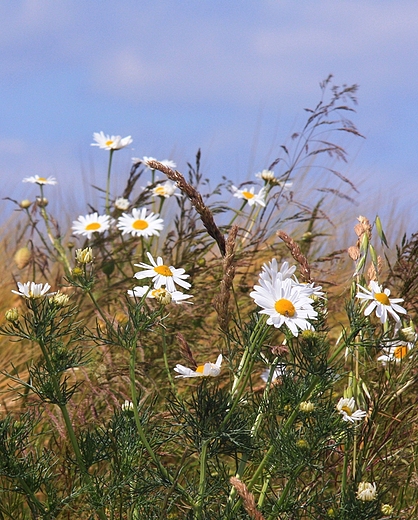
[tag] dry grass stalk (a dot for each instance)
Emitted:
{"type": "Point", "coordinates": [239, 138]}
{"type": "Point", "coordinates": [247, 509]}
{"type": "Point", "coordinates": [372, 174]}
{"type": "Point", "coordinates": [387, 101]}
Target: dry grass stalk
{"type": "Point", "coordinates": [196, 199]}
{"type": "Point", "coordinates": [372, 275]}
{"type": "Point", "coordinates": [295, 251]}
{"type": "Point", "coordinates": [221, 301]}
{"type": "Point", "coordinates": [247, 498]}
{"type": "Point", "coordinates": [185, 351]}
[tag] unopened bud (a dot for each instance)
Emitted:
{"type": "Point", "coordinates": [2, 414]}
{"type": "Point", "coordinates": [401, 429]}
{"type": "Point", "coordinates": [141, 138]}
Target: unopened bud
{"type": "Point", "coordinates": [22, 257]}
{"type": "Point", "coordinates": [77, 271]}
{"type": "Point", "coordinates": [386, 509]}
{"type": "Point", "coordinates": [306, 406]}
{"type": "Point", "coordinates": [84, 256]}
{"type": "Point", "coordinates": [162, 296]}
{"type": "Point", "coordinates": [12, 315]}
{"type": "Point", "coordinates": [59, 299]}
{"type": "Point", "coordinates": [302, 444]}
{"type": "Point", "coordinates": [42, 202]}
{"type": "Point", "coordinates": [25, 204]}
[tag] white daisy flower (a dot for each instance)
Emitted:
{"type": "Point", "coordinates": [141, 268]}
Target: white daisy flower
{"type": "Point", "coordinates": [347, 408]}
{"type": "Point", "coordinates": [278, 373]}
{"type": "Point", "coordinates": [285, 303]}
{"type": "Point", "coordinates": [121, 203]}
{"type": "Point", "coordinates": [396, 351]}
{"type": "Point", "coordinates": [113, 142]}
{"type": "Point", "coordinates": [165, 190]}
{"type": "Point", "coordinates": [127, 406]}
{"type": "Point", "coordinates": [162, 295]}
{"type": "Point", "coordinates": [33, 290]}
{"type": "Point", "coordinates": [90, 224]}
{"type": "Point", "coordinates": [35, 179]}
{"type": "Point", "coordinates": [162, 274]}
{"type": "Point", "coordinates": [270, 271]}
{"type": "Point", "coordinates": [381, 302]}
{"type": "Point", "coordinates": [366, 492]}
{"type": "Point", "coordinates": [139, 224]}
{"type": "Point", "coordinates": [144, 161]}
{"type": "Point", "coordinates": [249, 195]}
{"type": "Point", "coordinates": [206, 370]}
{"type": "Point", "coordinates": [269, 177]}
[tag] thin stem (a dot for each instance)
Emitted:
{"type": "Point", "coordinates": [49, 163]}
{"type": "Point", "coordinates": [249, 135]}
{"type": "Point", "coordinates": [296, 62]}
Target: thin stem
{"type": "Point", "coordinates": [109, 169]}
{"type": "Point", "coordinates": [202, 479]}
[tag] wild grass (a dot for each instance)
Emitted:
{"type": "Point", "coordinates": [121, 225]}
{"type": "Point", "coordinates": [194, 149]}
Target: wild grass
{"type": "Point", "coordinates": [94, 422]}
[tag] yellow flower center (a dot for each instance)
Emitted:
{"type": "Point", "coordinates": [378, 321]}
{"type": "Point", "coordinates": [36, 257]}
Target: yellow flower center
{"type": "Point", "coordinates": [400, 352]}
{"type": "Point", "coordinates": [41, 179]}
{"type": "Point", "coordinates": [164, 270]}
{"type": "Point", "coordinates": [248, 194]}
{"type": "Point", "coordinates": [382, 298]}
{"type": "Point", "coordinates": [93, 226]}
{"type": "Point", "coordinates": [347, 410]}
{"type": "Point", "coordinates": [160, 190]}
{"type": "Point", "coordinates": [109, 143]}
{"type": "Point", "coordinates": [200, 369]}
{"type": "Point", "coordinates": [285, 308]}
{"type": "Point", "coordinates": [140, 224]}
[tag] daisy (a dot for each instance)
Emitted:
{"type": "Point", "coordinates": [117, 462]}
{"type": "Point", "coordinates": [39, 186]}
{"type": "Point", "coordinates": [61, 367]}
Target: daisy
{"type": "Point", "coordinates": [366, 492]}
{"type": "Point", "coordinates": [161, 295]}
{"type": "Point", "coordinates": [396, 351]}
{"type": "Point", "coordinates": [114, 142]}
{"type": "Point", "coordinates": [381, 302]}
{"type": "Point", "coordinates": [249, 195]}
{"type": "Point", "coordinates": [35, 179]}
{"type": "Point", "coordinates": [165, 190]}
{"type": "Point", "coordinates": [278, 373]}
{"type": "Point", "coordinates": [121, 203]}
{"type": "Point", "coordinates": [90, 224]}
{"type": "Point", "coordinates": [285, 304]}
{"type": "Point", "coordinates": [269, 177]}
{"type": "Point", "coordinates": [206, 370]}
{"type": "Point", "coordinates": [33, 290]}
{"type": "Point", "coordinates": [144, 161]}
{"type": "Point", "coordinates": [162, 274]}
{"type": "Point", "coordinates": [140, 225]}
{"type": "Point", "coordinates": [346, 407]}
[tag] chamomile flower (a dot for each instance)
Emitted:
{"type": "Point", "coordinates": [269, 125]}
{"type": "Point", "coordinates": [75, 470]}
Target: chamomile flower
{"type": "Point", "coordinates": [139, 224]}
{"type": "Point", "coordinates": [395, 352]}
{"type": "Point", "coordinates": [89, 224]}
{"type": "Point", "coordinates": [347, 408]}
{"type": "Point", "coordinates": [110, 142]}
{"type": "Point", "coordinates": [162, 274]}
{"type": "Point", "coordinates": [206, 370]}
{"type": "Point", "coordinates": [249, 195]}
{"type": "Point", "coordinates": [121, 203]}
{"type": "Point", "coordinates": [269, 177]}
{"type": "Point", "coordinates": [162, 295]}
{"type": "Point", "coordinates": [144, 161]}
{"type": "Point", "coordinates": [381, 302]}
{"type": "Point", "coordinates": [35, 179]}
{"type": "Point", "coordinates": [285, 303]}
{"type": "Point", "coordinates": [32, 290]}
{"type": "Point", "coordinates": [366, 492]}
{"type": "Point", "coordinates": [166, 190]}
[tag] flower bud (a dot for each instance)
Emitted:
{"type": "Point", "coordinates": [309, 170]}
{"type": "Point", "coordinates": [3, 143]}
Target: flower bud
{"type": "Point", "coordinates": [42, 202]}
{"type": "Point", "coordinates": [22, 257]}
{"type": "Point", "coordinates": [84, 256]}
{"type": "Point", "coordinates": [59, 299]}
{"type": "Point", "coordinates": [77, 271]}
{"type": "Point", "coordinates": [25, 204]}
{"type": "Point", "coordinates": [386, 509]}
{"type": "Point", "coordinates": [302, 444]}
{"type": "Point", "coordinates": [162, 296]}
{"type": "Point", "coordinates": [306, 406]}
{"type": "Point", "coordinates": [127, 406]}
{"type": "Point", "coordinates": [12, 315]}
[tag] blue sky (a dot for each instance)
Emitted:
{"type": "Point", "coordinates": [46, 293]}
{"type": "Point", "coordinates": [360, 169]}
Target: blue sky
{"type": "Point", "coordinates": [231, 78]}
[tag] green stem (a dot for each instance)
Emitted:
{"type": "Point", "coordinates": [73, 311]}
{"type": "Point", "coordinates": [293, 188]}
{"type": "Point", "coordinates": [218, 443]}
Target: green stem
{"type": "Point", "coordinates": [202, 479]}
{"type": "Point", "coordinates": [167, 367]}
{"type": "Point", "coordinates": [109, 169]}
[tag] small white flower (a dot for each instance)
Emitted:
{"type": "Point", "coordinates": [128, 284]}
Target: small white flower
{"type": "Point", "coordinates": [285, 303]}
{"type": "Point", "coordinates": [139, 224]}
{"type": "Point", "coordinates": [145, 160]}
{"type": "Point", "coordinates": [33, 290]}
{"type": "Point", "coordinates": [121, 203]}
{"type": "Point", "coordinates": [84, 256]}
{"type": "Point", "coordinates": [35, 179]}
{"type": "Point", "coordinates": [89, 224]}
{"type": "Point", "coordinates": [113, 142]}
{"type": "Point", "coordinates": [162, 274]}
{"type": "Point", "coordinates": [396, 351]}
{"type": "Point", "coordinates": [381, 302]}
{"type": "Point", "coordinates": [266, 175]}
{"type": "Point", "coordinates": [206, 370]}
{"type": "Point", "coordinates": [347, 408]}
{"type": "Point", "coordinates": [175, 296]}
{"type": "Point", "coordinates": [127, 406]}
{"type": "Point", "coordinates": [270, 271]}
{"type": "Point", "coordinates": [366, 492]}
{"type": "Point", "coordinates": [165, 190]}
{"type": "Point", "coordinates": [249, 195]}
{"type": "Point", "coordinates": [278, 373]}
